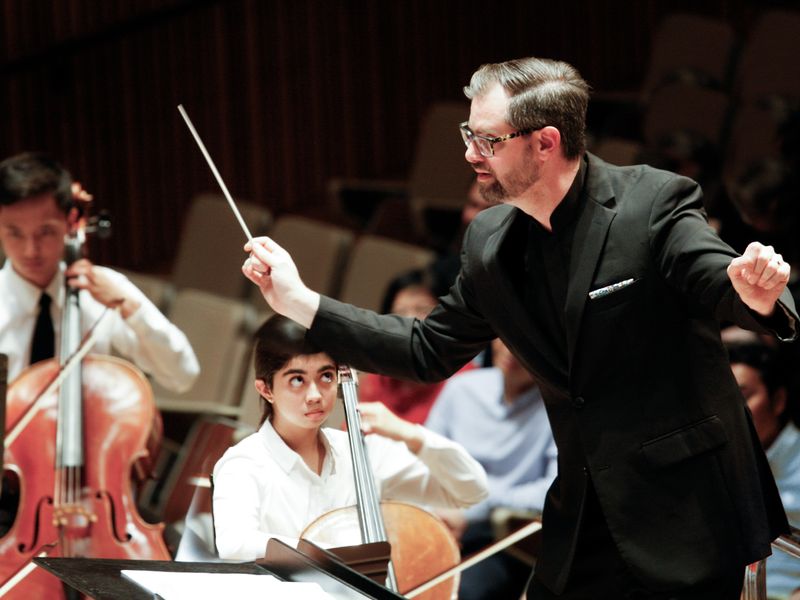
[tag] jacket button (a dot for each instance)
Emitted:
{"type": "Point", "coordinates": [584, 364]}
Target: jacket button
{"type": "Point", "coordinates": [578, 402]}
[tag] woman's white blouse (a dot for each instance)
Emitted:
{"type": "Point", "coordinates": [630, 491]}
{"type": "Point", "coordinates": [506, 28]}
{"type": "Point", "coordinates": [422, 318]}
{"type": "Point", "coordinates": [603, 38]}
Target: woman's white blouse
{"type": "Point", "coordinates": [263, 489]}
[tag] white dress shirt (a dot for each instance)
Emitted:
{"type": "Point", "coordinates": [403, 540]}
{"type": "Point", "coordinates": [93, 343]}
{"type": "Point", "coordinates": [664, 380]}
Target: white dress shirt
{"type": "Point", "coordinates": [263, 489]}
{"type": "Point", "coordinates": [146, 337]}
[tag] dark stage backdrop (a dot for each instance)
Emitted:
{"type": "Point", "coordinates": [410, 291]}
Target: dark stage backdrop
{"type": "Point", "coordinates": [286, 94]}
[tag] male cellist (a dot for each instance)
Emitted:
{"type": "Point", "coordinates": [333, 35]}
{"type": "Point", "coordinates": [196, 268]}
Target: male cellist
{"type": "Point", "coordinates": [36, 208]}
{"type": "Point", "coordinates": [36, 197]}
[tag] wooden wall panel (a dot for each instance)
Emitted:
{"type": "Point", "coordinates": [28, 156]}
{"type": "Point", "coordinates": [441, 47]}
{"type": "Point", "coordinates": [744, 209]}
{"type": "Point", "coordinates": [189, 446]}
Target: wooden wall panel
{"type": "Point", "coordinates": [285, 93]}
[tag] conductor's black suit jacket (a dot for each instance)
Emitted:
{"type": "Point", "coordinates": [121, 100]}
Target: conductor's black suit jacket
{"type": "Point", "coordinates": [648, 410]}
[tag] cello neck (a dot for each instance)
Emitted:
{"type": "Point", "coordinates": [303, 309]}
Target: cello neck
{"type": "Point", "coordinates": [369, 510]}
{"type": "Point", "coordinates": [69, 436]}
{"type": "Point", "coordinates": [370, 517]}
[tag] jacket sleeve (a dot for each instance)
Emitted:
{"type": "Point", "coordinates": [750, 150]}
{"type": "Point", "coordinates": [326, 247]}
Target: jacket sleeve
{"type": "Point", "coordinates": [694, 261]}
{"type": "Point", "coordinates": [425, 350]}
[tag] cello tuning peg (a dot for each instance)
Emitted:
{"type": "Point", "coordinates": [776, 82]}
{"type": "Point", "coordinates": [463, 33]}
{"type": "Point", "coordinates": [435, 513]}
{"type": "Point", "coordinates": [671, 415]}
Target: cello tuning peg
{"type": "Point", "coordinates": [100, 225]}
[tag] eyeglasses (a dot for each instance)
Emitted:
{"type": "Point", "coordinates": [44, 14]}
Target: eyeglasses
{"type": "Point", "coordinates": [485, 144]}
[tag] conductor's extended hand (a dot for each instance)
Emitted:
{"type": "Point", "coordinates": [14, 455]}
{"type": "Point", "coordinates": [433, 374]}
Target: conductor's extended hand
{"type": "Point", "coordinates": [759, 276]}
{"type": "Point", "coordinates": [272, 269]}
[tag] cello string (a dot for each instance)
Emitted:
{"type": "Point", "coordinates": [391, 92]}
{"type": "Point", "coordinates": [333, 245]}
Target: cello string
{"type": "Point", "coordinates": [369, 508]}
{"type": "Point", "coordinates": [72, 362]}
{"type": "Point", "coordinates": [213, 167]}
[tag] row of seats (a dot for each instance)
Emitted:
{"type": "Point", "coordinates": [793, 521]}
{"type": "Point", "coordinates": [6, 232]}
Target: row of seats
{"type": "Point", "coordinates": [332, 260]}
{"type": "Point", "coordinates": [702, 81]}
{"type": "Point", "coordinates": [219, 320]}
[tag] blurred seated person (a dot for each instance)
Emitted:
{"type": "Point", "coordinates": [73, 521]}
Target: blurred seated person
{"type": "Point", "coordinates": [764, 204]}
{"type": "Point", "coordinates": [412, 294]}
{"type": "Point", "coordinates": [448, 263]}
{"type": "Point", "coordinates": [762, 378]}
{"type": "Point", "coordinates": [278, 480]}
{"type": "Point", "coordinates": [499, 416]}
{"type": "Point", "coordinates": [475, 203]}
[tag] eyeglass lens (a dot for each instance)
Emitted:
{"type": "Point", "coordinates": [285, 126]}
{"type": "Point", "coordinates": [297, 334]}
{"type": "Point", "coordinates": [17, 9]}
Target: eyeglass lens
{"type": "Point", "coordinates": [483, 146]}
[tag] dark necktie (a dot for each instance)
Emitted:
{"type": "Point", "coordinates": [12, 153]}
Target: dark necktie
{"type": "Point", "coordinates": [44, 339]}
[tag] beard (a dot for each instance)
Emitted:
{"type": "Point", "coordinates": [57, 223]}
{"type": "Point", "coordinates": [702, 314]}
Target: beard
{"type": "Point", "coordinates": [512, 186]}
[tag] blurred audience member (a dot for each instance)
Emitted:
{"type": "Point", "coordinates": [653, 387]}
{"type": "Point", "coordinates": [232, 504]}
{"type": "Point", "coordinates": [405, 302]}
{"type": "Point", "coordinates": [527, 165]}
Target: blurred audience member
{"type": "Point", "coordinates": [498, 415]}
{"type": "Point", "coordinates": [762, 378]}
{"type": "Point", "coordinates": [691, 155]}
{"type": "Point", "coordinates": [448, 263]}
{"type": "Point", "coordinates": [475, 204]}
{"type": "Point", "coordinates": [412, 294]}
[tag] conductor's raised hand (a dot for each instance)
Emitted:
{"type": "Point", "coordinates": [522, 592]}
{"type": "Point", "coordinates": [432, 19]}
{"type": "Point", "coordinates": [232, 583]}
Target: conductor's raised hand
{"type": "Point", "coordinates": [759, 276]}
{"type": "Point", "coordinates": [272, 269]}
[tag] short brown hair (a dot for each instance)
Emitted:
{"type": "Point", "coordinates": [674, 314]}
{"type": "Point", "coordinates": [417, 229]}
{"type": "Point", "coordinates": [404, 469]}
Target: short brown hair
{"type": "Point", "coordinates": [543, 92]}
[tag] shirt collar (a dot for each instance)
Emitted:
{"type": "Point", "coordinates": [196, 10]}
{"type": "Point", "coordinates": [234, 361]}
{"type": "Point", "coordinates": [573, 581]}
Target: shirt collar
{"type": "Point", "coordinates": [27, 295]}
{"type": "Point", "coordinates": [287, 458]}
{"type": "Point", "coordinates": [277, 448]}
{"type": "Point", "coordinates": [567, 210]}
{"type": "Point", "coordinates": [785, 445]}
{"type": "Point", "coordinates": [524, 400]}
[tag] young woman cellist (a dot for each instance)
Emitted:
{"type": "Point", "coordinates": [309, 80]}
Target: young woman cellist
{"type": "Point", "coordinates": [292, 470]}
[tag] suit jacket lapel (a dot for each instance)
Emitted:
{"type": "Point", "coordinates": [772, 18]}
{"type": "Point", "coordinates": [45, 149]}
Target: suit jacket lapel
{"type": "Point", "coordinates": [590, 236]}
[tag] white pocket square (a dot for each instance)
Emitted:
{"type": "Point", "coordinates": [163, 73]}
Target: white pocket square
{"type": "Point", "coordinates": [610, 289]}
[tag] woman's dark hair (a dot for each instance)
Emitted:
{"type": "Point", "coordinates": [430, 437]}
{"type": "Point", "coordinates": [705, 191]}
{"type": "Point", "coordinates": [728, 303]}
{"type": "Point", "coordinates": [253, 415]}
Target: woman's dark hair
{"type": "Point", "coordinates": [278, 341]}
{"type": "Point", "coordinates": [415, 278]}
{"type": "Point", "coordinates": [766, 190]}
{"type": "Point", "coordinates": [764, 359]}
{"type": "Point", "coordinates": [435, 278]}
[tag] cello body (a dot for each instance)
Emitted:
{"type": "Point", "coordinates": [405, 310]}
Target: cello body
{"type": "Point", "coordinates": [422, 545]}
{"type": "Point", "coordinates": [93, 514]}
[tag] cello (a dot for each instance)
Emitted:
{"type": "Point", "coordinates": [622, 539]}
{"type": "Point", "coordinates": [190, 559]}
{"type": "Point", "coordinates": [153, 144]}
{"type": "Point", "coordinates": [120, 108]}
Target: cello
{"type": "Point", "coordinates": [76, 431]}
{"type": "Point", "coordinates": [421, 544]}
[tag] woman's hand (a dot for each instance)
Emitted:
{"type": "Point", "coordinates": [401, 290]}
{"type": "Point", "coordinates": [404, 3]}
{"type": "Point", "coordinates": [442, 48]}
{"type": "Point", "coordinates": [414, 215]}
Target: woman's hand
{"type": "Point", "coordinates": [376, 418]}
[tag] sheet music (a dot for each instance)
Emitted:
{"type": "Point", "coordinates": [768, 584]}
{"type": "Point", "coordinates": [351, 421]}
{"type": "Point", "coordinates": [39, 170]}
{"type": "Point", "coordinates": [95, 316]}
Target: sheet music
{"type": "Point", "coordinates": [213, 586]}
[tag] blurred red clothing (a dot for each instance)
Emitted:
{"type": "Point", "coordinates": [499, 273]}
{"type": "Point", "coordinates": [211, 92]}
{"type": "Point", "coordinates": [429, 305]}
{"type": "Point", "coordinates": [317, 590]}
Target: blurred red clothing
{"type": "Point", "coordinates": [409, 400]}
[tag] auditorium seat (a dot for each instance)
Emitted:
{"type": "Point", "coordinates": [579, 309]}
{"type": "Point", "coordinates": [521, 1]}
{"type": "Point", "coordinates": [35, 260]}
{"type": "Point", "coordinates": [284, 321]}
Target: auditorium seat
{"type": "Point", "coordinates": [210, 251]}
{"type": "Point", "coordinates": [216, 329]}
{"type": "Point", "coordinates": [767, 69]}
{"type": "Point", "coordinates": [374, 262]}
{"type": "Point", "coordinates": [319, 250]}
{"type": "Point", "coordinates": [438, 179]}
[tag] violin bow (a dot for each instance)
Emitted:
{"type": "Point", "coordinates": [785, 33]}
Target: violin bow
{"type": "Point", "coordinates": [510, 540]}
{"type": "Point", "coordinates": [86, 344]}
{"type": "Point", "coordinates": [23, 572]}
{"type": "Point", "coordinates": [214, 170]}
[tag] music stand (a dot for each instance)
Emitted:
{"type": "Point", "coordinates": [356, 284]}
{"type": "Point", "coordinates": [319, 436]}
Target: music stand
{"type": "Point", "coordinates": [102, 578]}
{"type": "Point", "coordinates": [317, 565]}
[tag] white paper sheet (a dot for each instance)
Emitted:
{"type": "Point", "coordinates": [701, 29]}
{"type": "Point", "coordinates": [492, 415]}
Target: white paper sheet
{"type": "Point", "coordinates": [223, 586]}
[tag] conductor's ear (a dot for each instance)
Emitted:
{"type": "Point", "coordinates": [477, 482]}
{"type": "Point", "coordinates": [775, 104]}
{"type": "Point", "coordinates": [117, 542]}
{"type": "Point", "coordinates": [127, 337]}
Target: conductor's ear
{"type": "Point", "coordinates": [549, 140]}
